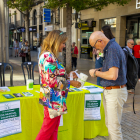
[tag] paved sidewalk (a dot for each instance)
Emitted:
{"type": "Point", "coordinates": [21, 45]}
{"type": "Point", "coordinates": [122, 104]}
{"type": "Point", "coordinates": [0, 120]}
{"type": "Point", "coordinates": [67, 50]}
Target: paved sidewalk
{"type": "Point", "coordinates": [130, 121]}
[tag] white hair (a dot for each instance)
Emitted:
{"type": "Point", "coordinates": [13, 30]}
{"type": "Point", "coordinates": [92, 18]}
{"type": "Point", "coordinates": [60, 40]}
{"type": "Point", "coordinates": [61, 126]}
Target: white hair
{"type": "Point", "coordinates": [128, 41]}
{"type": "Point", "coordinates": [138, 40]}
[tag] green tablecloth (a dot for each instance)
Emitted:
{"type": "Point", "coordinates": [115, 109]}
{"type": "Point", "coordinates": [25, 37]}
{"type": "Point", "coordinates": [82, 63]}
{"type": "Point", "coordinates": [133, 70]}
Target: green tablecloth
{"type": "Point", "coordinates": [74, 127]}
{"type": "Point", "coordinates": [32, 115]}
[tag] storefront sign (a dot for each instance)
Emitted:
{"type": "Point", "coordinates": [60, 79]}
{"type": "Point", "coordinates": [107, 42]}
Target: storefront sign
{"type": "Point", "coordinates": [86, 25]}
{"type": "Point", "coordinates": [48, 28]}
{"type": "Point", "coordinates": [33, 29]}
{"type": "Point", "coordinates": [137, 4]}
{"type": "Point", "coordinates": [92, 106]}
{"type": "Point", "coordinates": [10, 118]}
{"type": "Point", "coordinates": [20, 29]}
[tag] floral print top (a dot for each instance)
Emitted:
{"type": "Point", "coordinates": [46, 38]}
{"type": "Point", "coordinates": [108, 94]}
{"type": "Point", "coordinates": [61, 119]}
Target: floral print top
{"type": "Point", "coordinates": [54, 86]}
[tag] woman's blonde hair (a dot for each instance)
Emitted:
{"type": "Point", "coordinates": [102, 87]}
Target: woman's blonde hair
{"type": "Point", "coordinates": [137, 41]}
{"type": "Point", "coordinates": [53, 41]}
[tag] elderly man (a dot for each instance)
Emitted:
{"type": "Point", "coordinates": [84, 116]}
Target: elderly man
{"type": "Point", "coordinates": [113, 80]}
{"type": "Point", "coordinates": [130, 45]}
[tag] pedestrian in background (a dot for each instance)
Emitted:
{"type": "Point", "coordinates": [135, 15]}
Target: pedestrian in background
{"type": "Point", "coordinates": [136, 50]}
{"type": "Point", "coordinates": [98, 64]}
{"type": "Point", "coordinates": [130, 45]}
{"type": "Point", "coordinates": [16, 47]}
{"type": "Point", "coordinates": [74, 53]}
{"type": "Point", "coordinates": [64, 56]}
{"type": "Point", "coordinates": [54, 84]}
{"type": "Point", "coordinates": [113, 80]}
{"type": "Point", "coordinates": [95, 53]}
{"type": "Point", "coordinates": [39, 50]}
{"type": "Point", "coordinates": [107, 31]}
{"type": "Point", "coordinates": [24, 49]}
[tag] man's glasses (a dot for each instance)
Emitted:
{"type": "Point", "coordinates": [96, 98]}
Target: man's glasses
{"type": "Point", "coordinates": [96, 42]}
{"type": "Point", "coordinates": [132, 44]}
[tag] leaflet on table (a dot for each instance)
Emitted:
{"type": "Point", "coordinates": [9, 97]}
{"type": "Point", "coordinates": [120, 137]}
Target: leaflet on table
{"type": "Point", "coordinates": [10, 118]}
{"type": "Point", "coordinates": [17, 95]}
{"type": "Point", "coordinates": [92, 106]}
{"type": "Point", "coordinates": [74, 89]}
{"type": "Point", "coordinates": [4, 89]}
{"type": "Point", "coordinates": [93, 89]}
{"type": "Point", "coordinates": [8, 96]}
{"type": "Point", "coordinates": [27, 94]}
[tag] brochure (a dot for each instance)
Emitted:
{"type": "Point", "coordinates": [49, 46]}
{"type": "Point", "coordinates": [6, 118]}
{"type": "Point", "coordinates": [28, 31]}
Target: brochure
{"type": "Point", "coordinates": [75, 89]}
{"type": "Point", "coordinates": [93, 89]}
{"type": "Point", "coordinates": [8, 96]}
{"type": "Point", "coordinates": [4, 89]}
{"type": "Point", "coordinates": [27, 94]}
{"type": "Point", "coordinates": [17, 95]}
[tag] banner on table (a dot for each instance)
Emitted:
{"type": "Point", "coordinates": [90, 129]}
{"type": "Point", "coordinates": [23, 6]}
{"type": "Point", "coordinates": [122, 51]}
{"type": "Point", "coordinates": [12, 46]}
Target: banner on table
{"type": "Point", "coordinates": [92, 106]}
{"type": "Point", "coordinates": [10, 118]}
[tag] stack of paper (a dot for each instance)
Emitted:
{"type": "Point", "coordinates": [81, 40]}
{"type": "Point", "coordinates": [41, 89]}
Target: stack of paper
{"type": "Point", "coordinates": [93, 89]}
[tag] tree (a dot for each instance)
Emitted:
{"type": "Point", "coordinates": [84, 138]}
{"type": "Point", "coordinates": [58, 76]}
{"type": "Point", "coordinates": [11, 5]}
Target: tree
{"type": "Point", "coordinates": [78, 5]}
{"type": "Point", "coordinates": [23, 6]}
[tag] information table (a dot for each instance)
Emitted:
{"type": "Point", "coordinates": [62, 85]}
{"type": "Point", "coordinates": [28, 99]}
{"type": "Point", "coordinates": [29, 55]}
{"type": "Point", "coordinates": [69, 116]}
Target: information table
{"type": "Point", "coordinates": [74, 127]}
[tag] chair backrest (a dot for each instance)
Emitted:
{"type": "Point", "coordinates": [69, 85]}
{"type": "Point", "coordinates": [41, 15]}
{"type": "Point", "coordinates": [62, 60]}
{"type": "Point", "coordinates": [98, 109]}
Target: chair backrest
{"type": "Point", "coordinates": [2, 73]}
{"type": "Point", "coordinates": [30, 69]}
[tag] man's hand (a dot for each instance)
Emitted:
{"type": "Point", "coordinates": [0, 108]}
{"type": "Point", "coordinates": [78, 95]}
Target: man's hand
{"type": "Point", "coordinates": [75, 84]}
{"type": "Point", "coordinates": [74, 75]}
{"type": "Point", "coordinates": [91, 72]}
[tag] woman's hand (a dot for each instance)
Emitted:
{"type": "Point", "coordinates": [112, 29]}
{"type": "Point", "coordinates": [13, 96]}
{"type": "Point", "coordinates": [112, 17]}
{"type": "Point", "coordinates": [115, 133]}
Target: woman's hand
{"type": "Point", "coordinates": [75, 84]}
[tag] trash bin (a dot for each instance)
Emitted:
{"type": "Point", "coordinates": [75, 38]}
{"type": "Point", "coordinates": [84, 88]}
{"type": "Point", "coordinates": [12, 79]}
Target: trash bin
{"type": "Point", "coordinates": [10, 51]}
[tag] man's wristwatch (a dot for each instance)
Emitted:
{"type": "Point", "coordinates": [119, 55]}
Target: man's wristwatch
{"type": "Point", "coordinates": [95, 72]}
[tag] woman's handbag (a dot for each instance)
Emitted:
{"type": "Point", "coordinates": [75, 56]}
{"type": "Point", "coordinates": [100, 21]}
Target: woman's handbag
{"type": "Point", "coordinates": [22, 54]}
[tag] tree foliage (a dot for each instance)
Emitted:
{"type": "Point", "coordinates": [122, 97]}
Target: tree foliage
{"type": "Point", "coordinates": [21, 5]}
{"type": "Point", "coordinates": [84, 4]}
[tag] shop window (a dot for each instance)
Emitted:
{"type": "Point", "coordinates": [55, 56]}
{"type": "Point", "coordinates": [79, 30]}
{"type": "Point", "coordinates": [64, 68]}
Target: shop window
{"type": "Point", "coordinates": [132, 29]}
{"type": "Point", "coordinates": [111, 22]}
{"type": "Point", "coordinates": [34, 16]}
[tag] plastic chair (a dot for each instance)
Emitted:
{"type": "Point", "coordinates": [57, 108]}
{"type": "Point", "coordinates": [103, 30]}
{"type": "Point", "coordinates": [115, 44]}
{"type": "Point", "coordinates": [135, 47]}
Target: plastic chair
{"type": "Point", "coordinates": [2, 73]}
{"type": "Point", "coordinates": [30, 69]}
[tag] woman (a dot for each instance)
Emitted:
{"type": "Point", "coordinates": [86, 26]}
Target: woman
{"type": "Point", "coordinates": [136, 50]}
{"type": "Point", "coordinates": [16, 47]}
{"type": "Point", "coordinates": [39, 50]}
{"type": "Point", "coordinates": [25, 50]}
{"type": "Point", "coordinates": [74, 55]}
{"type": "Point", "coordinates": [54, 86]}
{"type": "Point", "coordinates": [99, 60]}
{"type": "Point", "coordinates": [107, 32]}
{"type": "Point", "coordinates": [98, 64]}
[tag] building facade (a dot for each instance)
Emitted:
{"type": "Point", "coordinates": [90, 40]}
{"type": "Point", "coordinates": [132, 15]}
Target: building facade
{"type": "Point", "coordinates": [124, 22]}
{"type": "Point", "coordinates": [37, 28]}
